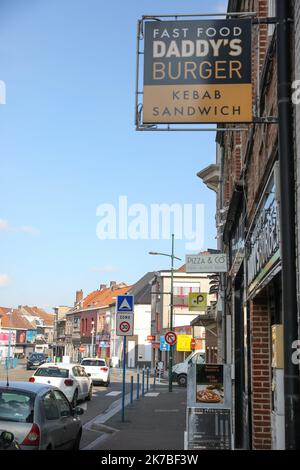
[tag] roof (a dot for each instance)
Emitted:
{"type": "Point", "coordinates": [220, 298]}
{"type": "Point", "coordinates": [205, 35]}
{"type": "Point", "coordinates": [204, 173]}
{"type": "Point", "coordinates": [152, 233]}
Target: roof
{"type": "Point", "coordinates": [142, 289]}
{"type": "Point", "coordinates": [103, 297]}
{"type": "Point", "coordinates": [17, 321]}
{"type": "Point", "coordinates": [21, 321]}
{"type": "Point", "coordinates": [48, 318]}
{"type": "Point", "coordinates": [59, 365]}
{"type": "Point", "coordinates": [32, 387]}
{"type": "Point", "coordinates": [4, 310]}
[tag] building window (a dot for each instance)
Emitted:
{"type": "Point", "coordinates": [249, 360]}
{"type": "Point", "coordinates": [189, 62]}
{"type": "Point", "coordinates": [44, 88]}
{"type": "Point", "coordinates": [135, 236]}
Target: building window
{"type": "Point", "coordinates": [271, 14]}
{"type": "Point", "coordinates": [181, 294]}
{"type": "Point", "coordinates": [82, 327]}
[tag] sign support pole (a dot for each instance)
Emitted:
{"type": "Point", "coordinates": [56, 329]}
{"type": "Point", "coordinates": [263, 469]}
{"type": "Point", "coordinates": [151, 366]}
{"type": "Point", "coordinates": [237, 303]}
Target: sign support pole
{"type": "Point", "coordinates": [124, 379]}
{"type": "Point", "coordinates": [287, 227]}
{"type": "Point", "coordinates": [171, 317]}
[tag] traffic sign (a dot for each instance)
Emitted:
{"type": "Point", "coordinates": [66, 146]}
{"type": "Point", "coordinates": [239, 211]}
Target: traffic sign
{"type": "Point", "coordinates": [171, 338]}
{"type": "Point", "coordinates": [151, 338]}
{"type": "Point", "coordinates": [124, 325]}
{"type": "Point", "coordinates": [163, 346]}
{"type": "Point", "coordinates": [197, 301]}
{"type": "Point", "coordinates": [81, 349]}
{"type": "Point", "coordinates": [125, 303]}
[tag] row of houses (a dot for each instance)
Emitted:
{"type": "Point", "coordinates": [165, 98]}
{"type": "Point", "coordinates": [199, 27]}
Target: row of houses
{"type": "Point", "coordinates": [89, 328]}
{"type": "Point", "coordinates": [24, 330]}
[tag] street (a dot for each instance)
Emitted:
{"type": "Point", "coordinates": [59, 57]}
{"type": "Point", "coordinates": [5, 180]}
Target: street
{"type": "Point", "coordinates": [106, 405]}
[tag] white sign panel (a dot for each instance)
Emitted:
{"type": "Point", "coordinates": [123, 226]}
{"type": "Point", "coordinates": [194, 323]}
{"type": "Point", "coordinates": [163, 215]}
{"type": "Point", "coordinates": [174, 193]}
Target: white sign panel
{"type": "Point", "coordinates": [208, 263]}
{"type": "Point", "coordinates": [124, 326]}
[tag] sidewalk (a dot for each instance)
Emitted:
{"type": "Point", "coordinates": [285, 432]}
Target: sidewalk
{"type": "Point", "coordinates": [154, 422]}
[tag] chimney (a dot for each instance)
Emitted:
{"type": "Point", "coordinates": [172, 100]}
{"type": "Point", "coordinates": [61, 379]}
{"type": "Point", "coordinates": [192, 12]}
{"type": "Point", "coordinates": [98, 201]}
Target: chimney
{"type": "Point", "coordinates": [112, 284]}
{"type": "Point", "coordinates": [102, 286]}
{"type": "Point", "coordinates": [79, 296]}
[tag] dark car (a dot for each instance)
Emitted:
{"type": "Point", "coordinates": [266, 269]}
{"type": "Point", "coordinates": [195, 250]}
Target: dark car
{"type": "Point", "coordinates": [34, 360]}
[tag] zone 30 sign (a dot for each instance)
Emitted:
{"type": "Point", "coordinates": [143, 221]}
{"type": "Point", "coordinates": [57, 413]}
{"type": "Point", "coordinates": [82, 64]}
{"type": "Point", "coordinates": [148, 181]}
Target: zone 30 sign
{"type": "Point", "coordinates": [197, 71]}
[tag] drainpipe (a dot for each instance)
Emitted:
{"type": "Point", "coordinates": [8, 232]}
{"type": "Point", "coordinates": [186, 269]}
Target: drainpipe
{"type": "Point", "coordinates": [287, 223]}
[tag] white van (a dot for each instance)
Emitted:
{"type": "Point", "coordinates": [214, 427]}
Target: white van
{"type": "Point", "coordinates": [179, 371]}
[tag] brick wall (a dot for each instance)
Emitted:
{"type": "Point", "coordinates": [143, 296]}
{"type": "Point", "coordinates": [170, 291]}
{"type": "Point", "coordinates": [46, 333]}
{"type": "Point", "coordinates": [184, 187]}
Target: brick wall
{"type": "Point", "coordinates": [261, 373]}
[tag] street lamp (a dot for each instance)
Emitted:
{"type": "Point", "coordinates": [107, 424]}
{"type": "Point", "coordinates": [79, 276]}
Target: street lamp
{"type": "Point", "coordinates": [171, 304]}
{"type": "Point", "coordinates": [9, 339]}
{"type": "Point", "coordinates": [93, 332]}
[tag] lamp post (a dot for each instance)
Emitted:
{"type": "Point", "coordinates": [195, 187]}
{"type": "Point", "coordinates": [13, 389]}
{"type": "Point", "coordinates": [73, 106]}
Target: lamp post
{"type": "Point", "coordinates": [172, 256]}
{"type": "Point", "coordinates": [93, 332]}
{"type": "Point", "coordinates": [9, 340]}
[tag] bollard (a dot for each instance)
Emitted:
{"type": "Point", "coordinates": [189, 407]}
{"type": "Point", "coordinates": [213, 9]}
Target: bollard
{"type": "Point", "coordinates": [138, 384]}
{"type": "Point", "coordinates": [143, 382]}
{"type": "Point", "coordinates": [147, 378]}
{"type": "Point", "coordinates": [131, 389]}
{"type": "Point", "coordinates": [154, 378]}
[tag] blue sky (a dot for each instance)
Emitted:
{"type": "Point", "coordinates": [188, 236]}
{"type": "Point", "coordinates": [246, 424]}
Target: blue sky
{"type": "Point", "coordinates": [68, 144]}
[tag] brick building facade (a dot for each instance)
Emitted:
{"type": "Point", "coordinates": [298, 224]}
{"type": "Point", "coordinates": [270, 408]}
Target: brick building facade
{"type": "Point", "coordinates": [249, 186]}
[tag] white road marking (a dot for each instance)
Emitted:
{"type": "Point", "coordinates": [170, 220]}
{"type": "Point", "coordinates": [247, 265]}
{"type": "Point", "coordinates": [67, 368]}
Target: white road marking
{"type": "Point", "coordinates": [113, 394]}
{"type": "Point", "coordinates": [152, 394]}
{"type": "Point", "coordinates": [166, 411]}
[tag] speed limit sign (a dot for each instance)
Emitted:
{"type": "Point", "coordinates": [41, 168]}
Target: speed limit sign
{"type": "Point", "coordinates": [171, 338]}
{"type": "Point", "coordinates": [124, 324]}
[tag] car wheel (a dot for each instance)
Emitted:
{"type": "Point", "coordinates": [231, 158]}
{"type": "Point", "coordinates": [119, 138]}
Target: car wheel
{"type": "Point", "coordinates": [106, 384]}
{"type": "Point", "coordinates": [89, 397]}
{"type": "Point", "coordinates": [75, 398]}
{"type": "Point", "coordinates": [182, 380]}
{"type": "Point", "coordinates": [76, 444]}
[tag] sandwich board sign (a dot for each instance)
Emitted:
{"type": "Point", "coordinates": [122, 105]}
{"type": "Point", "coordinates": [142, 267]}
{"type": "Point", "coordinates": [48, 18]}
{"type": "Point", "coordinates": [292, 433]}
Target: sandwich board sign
{"type": "Point", "coordinates": [125, 304]}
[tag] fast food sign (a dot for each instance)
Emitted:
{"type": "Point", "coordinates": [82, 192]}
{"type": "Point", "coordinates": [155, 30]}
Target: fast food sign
{"type": "Point", "coordinates": [197, 71]}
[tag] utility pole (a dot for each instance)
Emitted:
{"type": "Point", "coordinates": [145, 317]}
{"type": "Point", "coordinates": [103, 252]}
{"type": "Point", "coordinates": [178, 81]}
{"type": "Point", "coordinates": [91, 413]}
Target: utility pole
{"type": "Point", "coordinates": [287, 223]}
{"type": "Point", "coordinates": [172, 256]}
{"type": "Point", "coordinates": [93, 331]}
{"type": "Point", "coordinates": [9, 362]}
{"type": "Point", "coordinates": [171, 316]}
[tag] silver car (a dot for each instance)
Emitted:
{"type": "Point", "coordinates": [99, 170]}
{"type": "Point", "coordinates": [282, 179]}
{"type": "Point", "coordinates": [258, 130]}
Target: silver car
{"type": "Point", "coordinates": [40, 416]}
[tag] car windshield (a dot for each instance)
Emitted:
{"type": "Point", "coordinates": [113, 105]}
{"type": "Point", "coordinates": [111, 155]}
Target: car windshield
{"type": "Point", "coordinates": [16, 406]}
{"type": "Point", "coordinates": [52, 372]}
{"type": "Point", "coordinates": [93, 362]}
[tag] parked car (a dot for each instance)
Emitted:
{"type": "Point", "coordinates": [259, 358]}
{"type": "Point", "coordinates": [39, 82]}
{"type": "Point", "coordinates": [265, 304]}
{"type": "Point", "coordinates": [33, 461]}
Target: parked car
{"type": "Point", "coordinates": [71, 379]}
{"type": "Point", "coordinates": [35, 360]}
{"type": "Point", "coordinates": [98, 370]}
{"type": "Point", "coordinates": [40, 416]}
{"type": "Point", "coordinates": [7, 441]}
{"type": "Point", "coordinates": [179, 371]}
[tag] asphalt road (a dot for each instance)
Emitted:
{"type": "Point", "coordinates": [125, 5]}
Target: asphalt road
{"type": "Point", "coordinates": [104, 402]}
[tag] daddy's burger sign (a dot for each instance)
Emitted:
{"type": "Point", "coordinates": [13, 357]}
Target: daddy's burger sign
{"type": "Point", "coordinates": [197, 71]}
